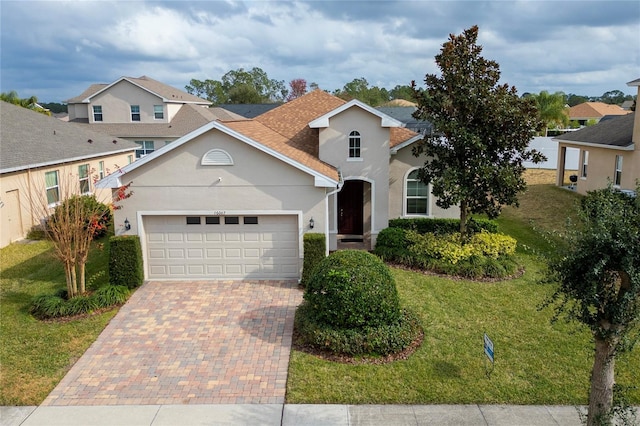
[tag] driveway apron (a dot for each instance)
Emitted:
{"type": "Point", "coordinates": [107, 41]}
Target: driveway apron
{"type": "Point", "coordinates": [203, 342]}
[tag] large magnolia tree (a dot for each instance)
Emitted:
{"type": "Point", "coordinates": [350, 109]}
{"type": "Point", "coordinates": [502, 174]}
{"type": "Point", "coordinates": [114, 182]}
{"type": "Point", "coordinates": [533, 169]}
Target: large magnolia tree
{"type": "Point", "coordinates": [599, 286]}
{"type": "Point", "coordinates": [483, 129]}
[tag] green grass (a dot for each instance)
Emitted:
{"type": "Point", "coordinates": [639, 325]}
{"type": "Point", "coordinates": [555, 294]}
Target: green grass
{"type": "Point", "coordinates": [35, 355]}
{"type": "Point", "coordinates": [536, 362]}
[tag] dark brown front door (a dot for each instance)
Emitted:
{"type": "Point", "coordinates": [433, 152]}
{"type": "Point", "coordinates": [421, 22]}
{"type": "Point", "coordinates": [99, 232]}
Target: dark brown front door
{"type": "Point", "coordinates": [350, 213]}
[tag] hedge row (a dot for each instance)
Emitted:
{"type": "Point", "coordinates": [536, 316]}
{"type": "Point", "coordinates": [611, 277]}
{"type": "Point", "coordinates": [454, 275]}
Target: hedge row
{"type": "Point", "coordinates": [443, 226]}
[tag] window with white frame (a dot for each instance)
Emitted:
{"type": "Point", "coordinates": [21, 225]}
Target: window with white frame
{"type": "Point", "coordinates": [83, 179]}
{"type": "Point", "coordinates": [100, 169]}
{"type": "Point", "coordinates": [52, 187]}
{"type": "Point", "coordinates": [158, 112]}
{"type": "Point", "coordinates": [585, 163]}
{"type": "Point", "coordinates": [617, 176]}
{"type": "Point", "coordinates": [354, 144]}
{"type": "Point", "coordinates": [135, 112]}
{"type": "Point", "coordinates": [97, 113]}
{"type": "Point", "coordinates": [417, 195]}
{"type": "Point", "coordinates": [146, 147]}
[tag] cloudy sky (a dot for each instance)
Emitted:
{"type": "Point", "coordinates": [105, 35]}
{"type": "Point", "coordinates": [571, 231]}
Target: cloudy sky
{"type": "Point", "coordinates": [56, 49]}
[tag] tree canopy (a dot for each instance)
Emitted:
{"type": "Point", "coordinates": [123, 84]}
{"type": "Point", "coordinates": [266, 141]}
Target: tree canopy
{"type": "Point", "coordinates": [29, 103]}
{"type": "Point", "coordinates": [599, 286]}
{"type": "Point", "coordinates": [475, 160]}
{"type": "Point", "coordinates": [240, 87]}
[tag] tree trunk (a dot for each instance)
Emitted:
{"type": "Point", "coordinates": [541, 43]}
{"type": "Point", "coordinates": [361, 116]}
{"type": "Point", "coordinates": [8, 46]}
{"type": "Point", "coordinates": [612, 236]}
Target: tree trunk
{"type": "Point", "coordinates": [67, 274]}
{"type": "Point", "coordinates": [602, 381]}
{"type": "Point", "coordinates": [81, 272]}
{"type": "Point", "coordinates": [463, 220]}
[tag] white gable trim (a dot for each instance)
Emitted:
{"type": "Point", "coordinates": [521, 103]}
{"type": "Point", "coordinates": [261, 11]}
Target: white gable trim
{"type": "Point", "coordinates": [405, 144]}
{"type": "Point", "coordinates": [165, 100]}
{"type": "Point", "coordinates": [385, 120]}
{"type": "Point", "coordinates": [115, 180]}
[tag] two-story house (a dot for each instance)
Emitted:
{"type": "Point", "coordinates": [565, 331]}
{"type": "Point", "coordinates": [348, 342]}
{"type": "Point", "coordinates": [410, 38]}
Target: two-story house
{"type": "Point", "coordinates": [609, 152]}
{"type": "Point", "coordinates": [142, 110]}
{"type": "Point", "coordinates": [234, 198]}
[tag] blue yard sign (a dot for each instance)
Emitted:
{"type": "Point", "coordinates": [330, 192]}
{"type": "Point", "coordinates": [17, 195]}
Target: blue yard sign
{"type": "Point", "coordinates": [488, 347]}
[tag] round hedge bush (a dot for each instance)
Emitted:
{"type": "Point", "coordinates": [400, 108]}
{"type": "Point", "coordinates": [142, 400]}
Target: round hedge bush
{"type": "Point", "coordinates": [352, 289]}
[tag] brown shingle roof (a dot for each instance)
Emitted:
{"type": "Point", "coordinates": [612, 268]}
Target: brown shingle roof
{"type": "Point", "coordinates": [276, 141]}
{"type": "Point", "coordinates": [292, 119]}
{"type": "Point", "coordinates": [399, 135]}
{"type": "Point", "coordinates": [594, 110]}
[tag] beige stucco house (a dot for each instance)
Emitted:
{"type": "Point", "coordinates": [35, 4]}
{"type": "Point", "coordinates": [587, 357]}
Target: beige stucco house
{"type": "Point", "coordinates": [609, 153]}
{"type": "Point", "coordinates": [234, 198]}
{"type": "Point", "coordinates": [142, 110]}
{"type": "Point", "coordinates": [42, 159]}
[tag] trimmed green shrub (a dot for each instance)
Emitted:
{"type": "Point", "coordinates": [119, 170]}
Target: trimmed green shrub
{"type": "Point", "coordinates": [37, 232]}
{"type": "Point", "coordinates": [376, 341]}
{"type": "Point", "coordinates": [353, 289]}
{"type": "Point", "coordinates": [392, 245]}
{"type": "Point", "coordinates": [315, 249]}
{"type": "Point", "coordinates": [125, 261]}
{"type": "Point", "coordinates": [442, 226]}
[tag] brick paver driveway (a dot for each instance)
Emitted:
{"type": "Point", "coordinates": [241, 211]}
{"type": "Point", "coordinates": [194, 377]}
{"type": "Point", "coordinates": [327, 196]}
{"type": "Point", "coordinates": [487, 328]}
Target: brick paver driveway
{"type": "Point", "coordinates": [189, 343]}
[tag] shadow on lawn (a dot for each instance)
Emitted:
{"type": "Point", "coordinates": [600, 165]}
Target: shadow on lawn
{"type": "Point", "coordinates": [446, 370]}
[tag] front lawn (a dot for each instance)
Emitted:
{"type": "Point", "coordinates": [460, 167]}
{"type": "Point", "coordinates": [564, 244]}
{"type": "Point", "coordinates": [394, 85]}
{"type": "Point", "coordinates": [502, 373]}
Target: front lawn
{"type": "Point", "coordinates": [535, 362]}
{"type": "Point", "coordinates": [35, 355]}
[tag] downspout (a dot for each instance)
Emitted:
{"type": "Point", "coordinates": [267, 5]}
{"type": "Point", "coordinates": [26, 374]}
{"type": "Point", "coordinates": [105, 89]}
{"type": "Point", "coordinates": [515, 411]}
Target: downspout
{"type": "Point", "coordinates": [326, 211]}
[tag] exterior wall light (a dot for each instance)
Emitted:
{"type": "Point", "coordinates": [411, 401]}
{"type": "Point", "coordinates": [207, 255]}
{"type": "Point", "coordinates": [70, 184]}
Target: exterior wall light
{"type": "Point", "coordinates": [311, 223]}
{"type": "Point", "coordinates": [127, 225]}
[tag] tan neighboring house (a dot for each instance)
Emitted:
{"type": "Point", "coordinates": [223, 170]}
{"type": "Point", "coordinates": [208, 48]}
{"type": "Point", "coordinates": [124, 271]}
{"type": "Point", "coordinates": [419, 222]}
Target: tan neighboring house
{"type": "Point", "coordinates": [39, 155]}
{"type": "Point", "coordinates": [594, 111]}
{"type": "Point", "coordinates": [609, 152]}
{"type": "Point", "coordinates": [234, 198]}
{"type": "Point", "coordinates": [142, 110]}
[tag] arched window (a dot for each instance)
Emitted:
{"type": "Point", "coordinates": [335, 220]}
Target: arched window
{"type": "Point", "coordinates": [354, 144]}
{"type": "Point", "coordinates": [417, 195]}
{"type": "Point", "coordinates": [217, 157]}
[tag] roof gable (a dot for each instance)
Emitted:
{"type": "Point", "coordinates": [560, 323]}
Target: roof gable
{"type": "Point", "coordinates": [385, 120]}
{"type": "Point", "coordinates": [31, 139]}
{"type": "Point", "coordinates": [167, 93]}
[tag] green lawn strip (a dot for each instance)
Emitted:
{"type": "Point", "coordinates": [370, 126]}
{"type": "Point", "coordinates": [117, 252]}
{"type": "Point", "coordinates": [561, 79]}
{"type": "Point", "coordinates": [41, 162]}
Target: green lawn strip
{"type": "Point", "coordinates": [536, 362]}
{"type": "Point", "coordinates": [35, 355]}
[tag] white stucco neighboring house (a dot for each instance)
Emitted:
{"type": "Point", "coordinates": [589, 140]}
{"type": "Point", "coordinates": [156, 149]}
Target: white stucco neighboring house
{"type": "Point", "coordinates": [234, 198]}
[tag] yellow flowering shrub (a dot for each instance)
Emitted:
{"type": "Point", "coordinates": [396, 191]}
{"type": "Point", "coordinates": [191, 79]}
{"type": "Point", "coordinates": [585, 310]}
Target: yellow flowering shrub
{"type": "Point", "coordinates": [493, 245]}
{"type": "Point", "coordinates": [449, 248]}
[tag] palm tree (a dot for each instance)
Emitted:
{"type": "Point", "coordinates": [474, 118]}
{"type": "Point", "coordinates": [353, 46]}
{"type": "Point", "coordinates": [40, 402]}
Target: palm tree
{"type": "Point", "coordinates": [551, 109]}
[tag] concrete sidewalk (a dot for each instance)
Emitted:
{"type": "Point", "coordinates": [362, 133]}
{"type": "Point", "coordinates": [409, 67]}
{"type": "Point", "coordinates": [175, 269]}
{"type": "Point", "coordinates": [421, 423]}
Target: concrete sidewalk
{"type": "Point", "coordinates": [290, 415]}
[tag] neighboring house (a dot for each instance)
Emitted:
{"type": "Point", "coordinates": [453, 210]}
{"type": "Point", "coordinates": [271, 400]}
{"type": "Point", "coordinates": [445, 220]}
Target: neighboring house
{"type": "Point", "coordinates": [609, 152]}
{"type": "Point", "coordinates": [40, 155]}
{"type": "Point", "coordinates": [233, 199]}
{"type": "Point", "coordinates": [405, 115]}
{"type": "Point", "coordinates": [593, 111]}
{"type": "Point", "coordinates": [142, 110]}
{"type": "Point", "coordinates": [250, 110]}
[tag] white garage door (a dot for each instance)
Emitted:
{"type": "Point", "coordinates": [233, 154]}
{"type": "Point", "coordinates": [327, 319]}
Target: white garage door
{"type": "Point", "coordinates": [210, 247]}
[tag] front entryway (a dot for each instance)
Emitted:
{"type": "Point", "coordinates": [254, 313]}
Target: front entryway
{"type": "Point", "coordinates": [186, 342]}
{"type": "Point", "coordinates": [350, 208]}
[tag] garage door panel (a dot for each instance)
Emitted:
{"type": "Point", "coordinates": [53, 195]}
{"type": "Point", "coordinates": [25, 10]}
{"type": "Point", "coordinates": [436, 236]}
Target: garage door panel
{"type": "Point", "coordinates": [175, 254]}
{"type": "Point", "coordinates": [266, 249]}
